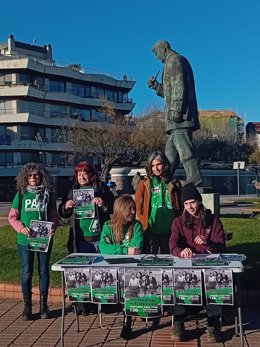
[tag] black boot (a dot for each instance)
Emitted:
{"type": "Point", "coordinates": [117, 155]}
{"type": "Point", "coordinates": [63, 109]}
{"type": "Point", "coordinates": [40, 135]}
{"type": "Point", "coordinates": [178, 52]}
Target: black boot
{"type": "Point", "coordinates": [178, 329]}
{"type": "Point", "coordinates": [45, 313]}
{"type": "Point", "coordinates": [214, 328]}
{"type": "Point", "coordinates": [27, 311]}
{"type": "Point", "coordinates": [127, 328]}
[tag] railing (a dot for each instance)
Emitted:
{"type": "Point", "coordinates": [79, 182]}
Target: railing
{"type": "Point", "coordinates": [75, 67]}
{"type": "Point", "coordinates": [44, 88]}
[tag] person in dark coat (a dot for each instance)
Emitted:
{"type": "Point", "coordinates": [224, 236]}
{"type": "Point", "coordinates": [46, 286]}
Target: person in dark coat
{"type": "Point", "coordinates": [84, 233]}
{"type": "Point", "coordinates": [196, 231]}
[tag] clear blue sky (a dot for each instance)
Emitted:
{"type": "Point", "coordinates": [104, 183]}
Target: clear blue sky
{"type": "Point", "coordinates": [221, 39]}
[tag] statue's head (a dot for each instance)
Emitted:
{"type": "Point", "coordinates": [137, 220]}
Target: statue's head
{"type": "Point", "coordinates": [161, 49]}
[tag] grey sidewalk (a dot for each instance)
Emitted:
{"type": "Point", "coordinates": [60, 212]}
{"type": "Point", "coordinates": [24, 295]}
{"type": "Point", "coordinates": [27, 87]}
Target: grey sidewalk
{"type": "Point", "coordinates": [15, 332]}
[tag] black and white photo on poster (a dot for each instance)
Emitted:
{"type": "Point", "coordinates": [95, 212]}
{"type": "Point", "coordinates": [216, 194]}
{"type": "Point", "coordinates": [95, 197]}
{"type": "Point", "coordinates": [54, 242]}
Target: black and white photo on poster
{"type": "Point", "coordinates": [104, 285]}
{"type": "Point", "coordinates": [143, 292]}
{"type": "Point", "coordinates": [39, 239]}
{"type": "Point", "coordinates": [219, 286]}
{"type": "Point", "coordinates": [78, 284]}
{"type": "Point", "coordinates": [187, 286]}
{"type": "Point", "coordinates": [83, 205]}
{"type": "Point", "coordinates": [167, 286]}
{"type": "Point", "coordinates": [121, 284]}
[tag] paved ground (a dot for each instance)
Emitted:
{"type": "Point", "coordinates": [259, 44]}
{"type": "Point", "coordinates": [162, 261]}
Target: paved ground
{"type": "Point", "coordinates": [15, 332]}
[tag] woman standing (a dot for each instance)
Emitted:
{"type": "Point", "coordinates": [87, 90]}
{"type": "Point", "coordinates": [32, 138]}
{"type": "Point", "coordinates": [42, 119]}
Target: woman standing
{"type": "Point", "coordinates": [196, 231]}
{"type": "Point", "coordinates": [83, 237]}
{"type": "Point", "coordinates": [34, 200]}
{"type": "Point", "coordinates": [158, 202]}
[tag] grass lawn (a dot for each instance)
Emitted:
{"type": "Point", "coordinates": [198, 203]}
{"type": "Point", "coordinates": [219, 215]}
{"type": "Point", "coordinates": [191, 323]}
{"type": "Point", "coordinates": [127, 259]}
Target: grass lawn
{"type": "Point", "coordinates": [246, 240]}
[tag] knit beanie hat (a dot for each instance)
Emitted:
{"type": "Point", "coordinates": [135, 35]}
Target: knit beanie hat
{"type": "Point", "coordinates": [190, 192]}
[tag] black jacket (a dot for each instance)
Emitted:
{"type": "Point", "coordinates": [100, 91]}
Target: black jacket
{"type": "Point", "coordinates": [100, 190]}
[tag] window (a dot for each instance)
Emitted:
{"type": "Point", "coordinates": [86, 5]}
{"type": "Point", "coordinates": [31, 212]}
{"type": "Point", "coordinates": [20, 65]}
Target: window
{"type": "Point", "coordinates": [109, 94]}
{"type": "Point", "coordinates": [58, 111]}
{"type": "Point", "coordinates": [79, 90]}
{"type": "Point", "coordinates": [37, 108]}
{"type": "Point", "coordinates": [57, 86]}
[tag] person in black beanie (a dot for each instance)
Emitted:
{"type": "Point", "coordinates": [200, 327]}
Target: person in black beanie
{"type": "Point", "coordinates": [196, 231]}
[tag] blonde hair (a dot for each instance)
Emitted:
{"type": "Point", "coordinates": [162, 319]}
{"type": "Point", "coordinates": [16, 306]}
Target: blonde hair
{"type": "Point", "coordinates": [121, 207]}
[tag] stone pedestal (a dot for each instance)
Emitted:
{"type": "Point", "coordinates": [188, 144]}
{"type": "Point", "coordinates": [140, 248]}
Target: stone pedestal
{"type": "Point", "coordinates": [212, 202]}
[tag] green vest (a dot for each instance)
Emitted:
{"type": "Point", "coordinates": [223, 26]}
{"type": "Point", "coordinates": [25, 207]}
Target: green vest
{"type": "Point", "coordinates": [161, 211]}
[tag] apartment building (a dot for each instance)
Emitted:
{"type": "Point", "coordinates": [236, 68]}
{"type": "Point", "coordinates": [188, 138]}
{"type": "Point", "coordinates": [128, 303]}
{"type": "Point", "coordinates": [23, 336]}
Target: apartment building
{"type": "Point", "coordinates": [39, 97]}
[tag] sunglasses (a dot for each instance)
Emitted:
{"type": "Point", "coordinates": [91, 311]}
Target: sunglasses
{"type": "Point", "coordinates": [33, 175]}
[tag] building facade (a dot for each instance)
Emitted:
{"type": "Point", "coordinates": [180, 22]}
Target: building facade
{"type": "Point", "coordinates": [39, 98]}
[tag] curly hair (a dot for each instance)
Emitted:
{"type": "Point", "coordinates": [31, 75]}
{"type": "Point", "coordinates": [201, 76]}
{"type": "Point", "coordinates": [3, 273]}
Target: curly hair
{"type": "Point", "coordinates": [22, 177]}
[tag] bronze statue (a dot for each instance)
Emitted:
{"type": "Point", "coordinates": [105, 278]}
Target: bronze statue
{"type": "Point", "coordinates": [181, 112]}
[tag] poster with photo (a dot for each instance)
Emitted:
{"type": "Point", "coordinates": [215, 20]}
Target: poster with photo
{"type": "Point", "coordinates": [219, 286]}
{"type": "Point", "coordinates": [83, 208]}
{"type": "Point", "coordinates": [167, 287]}
{"type": "Point", "coordinates": [78, 284]}
{"type": "Point", "coordinates": [39, 239]}
{"type": "Point", "coordinates": [143, 292]}
{"type": "Point", "coordinates": [121, 284]}
{"type": "Point", "coordinates": [104, 285]}
{"type": "Point", "coordinates": [187, 286]}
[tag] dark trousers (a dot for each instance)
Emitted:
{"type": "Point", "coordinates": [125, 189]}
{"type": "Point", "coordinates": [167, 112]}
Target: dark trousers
{"type": "Point", "coordinates": [27, 261]}
{"type": "Point", "coordinates": [155, 243]}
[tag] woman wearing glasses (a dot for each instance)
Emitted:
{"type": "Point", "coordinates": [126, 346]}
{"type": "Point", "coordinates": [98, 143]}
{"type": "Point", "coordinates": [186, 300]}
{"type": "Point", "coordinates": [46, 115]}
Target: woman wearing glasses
{"type": "Point", "coordinates": [34, 200]}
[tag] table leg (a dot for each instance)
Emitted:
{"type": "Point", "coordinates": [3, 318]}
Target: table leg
{"type": "Point", "coordinates": [239, 314]}
{"type": "Point", "coordinates": [62, 310]}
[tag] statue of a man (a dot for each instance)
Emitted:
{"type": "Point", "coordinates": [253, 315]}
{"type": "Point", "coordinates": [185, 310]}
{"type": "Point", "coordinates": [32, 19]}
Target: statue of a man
{"type": "Point", "coordinates": [181, 112]}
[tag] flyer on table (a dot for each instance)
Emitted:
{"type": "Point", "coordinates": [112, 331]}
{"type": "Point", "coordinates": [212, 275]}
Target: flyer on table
{"type": "Point", "coordinates": [143, 292]}
{"type": "Point", "coordinates": [104, 285]}
{"type": "Point", "coordinates": [78, 282]}
{"type": "Point", "coordinates": [187, 286]}
{"type": "Point", "coordinates": [77, 259]}
{"type": "Point", "coordinates": [83, 208]}
{"type": "Point", "coordinates": [39, 239]}
{"type": "Point", "coordinates": [219, 286]}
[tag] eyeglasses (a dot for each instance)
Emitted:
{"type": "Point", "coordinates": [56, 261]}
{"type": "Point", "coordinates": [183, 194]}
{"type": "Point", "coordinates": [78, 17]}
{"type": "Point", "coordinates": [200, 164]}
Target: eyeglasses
{"type": "Point", "coordinates": [33, 175]}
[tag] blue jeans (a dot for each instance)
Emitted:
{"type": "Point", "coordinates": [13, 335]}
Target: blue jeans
{"type": "Point", "coordinates": [27, 261]}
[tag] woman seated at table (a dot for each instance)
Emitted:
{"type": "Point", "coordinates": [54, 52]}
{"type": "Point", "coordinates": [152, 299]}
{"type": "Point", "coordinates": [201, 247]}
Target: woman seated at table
{"type": "Point", "coordinates": [123, 234]}
{"type": "Point", "coordinates": [196, 231]}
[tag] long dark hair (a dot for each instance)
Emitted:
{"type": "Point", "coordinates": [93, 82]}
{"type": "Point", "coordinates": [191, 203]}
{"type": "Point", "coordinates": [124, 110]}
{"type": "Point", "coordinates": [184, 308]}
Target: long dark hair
{"type": "Point", "coordinates": [160, 156]}
{"type": "Point", "coordinates": [204, 215]}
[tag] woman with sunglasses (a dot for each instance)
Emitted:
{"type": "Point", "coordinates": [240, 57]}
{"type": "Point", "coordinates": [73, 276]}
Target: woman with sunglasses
{"type": "Point", "coordinates": [34, 200]}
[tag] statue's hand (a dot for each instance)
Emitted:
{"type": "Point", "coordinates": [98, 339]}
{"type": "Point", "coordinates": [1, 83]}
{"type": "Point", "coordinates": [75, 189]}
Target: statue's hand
{"type": "Point", "coordinates": [175, 116]}
{"type": "Point", "coordinates": [152, 83]}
